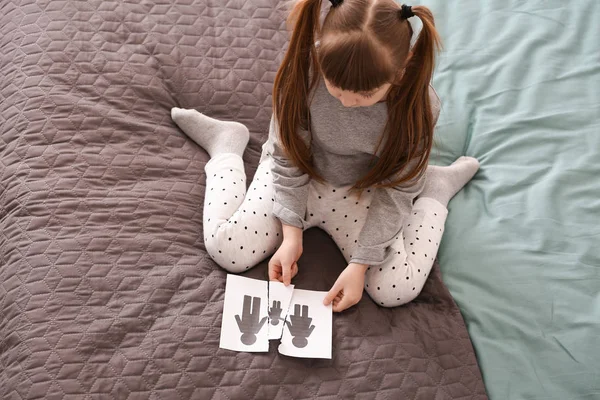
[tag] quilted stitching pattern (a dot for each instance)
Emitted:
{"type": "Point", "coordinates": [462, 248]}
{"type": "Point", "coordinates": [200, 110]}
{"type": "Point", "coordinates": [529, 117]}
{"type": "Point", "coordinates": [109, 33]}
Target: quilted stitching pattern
{"type": "Point", "coordinates": [105, 288]}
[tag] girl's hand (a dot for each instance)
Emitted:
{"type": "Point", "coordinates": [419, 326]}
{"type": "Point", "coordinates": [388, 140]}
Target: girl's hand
{"type": "Point", "coordinates": [348, 288]}
{"type": "Point", "coordinates": [283, 265]}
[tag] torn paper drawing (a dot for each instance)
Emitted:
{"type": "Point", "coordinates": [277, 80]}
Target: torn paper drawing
{"type": "Point", "coordinates": [249, 323]}
{"type": "Point", "coordinates": [245, 314]}
{"type": "Point", "coordinates": [279, 303]}
{"type": "Point", "coordinates": [308, 326]}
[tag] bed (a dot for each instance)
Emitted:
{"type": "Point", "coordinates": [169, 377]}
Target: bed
{"type": "Point", "coordinates": [106, 290]}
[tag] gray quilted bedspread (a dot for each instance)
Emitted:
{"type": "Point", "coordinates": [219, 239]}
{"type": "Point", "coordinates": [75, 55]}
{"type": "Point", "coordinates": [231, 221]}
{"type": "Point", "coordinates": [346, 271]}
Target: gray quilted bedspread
{"type": "Point", "coordinates": [106, 290]}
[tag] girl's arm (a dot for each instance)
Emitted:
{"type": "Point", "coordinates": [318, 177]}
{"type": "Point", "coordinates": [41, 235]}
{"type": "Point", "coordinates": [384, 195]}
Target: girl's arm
{"type": "Point", "coordinates": [283, 265]}
{"type": "Point", "coordinates": [290, 186]}
{"type": "Point", "coordinates": [289, 182]}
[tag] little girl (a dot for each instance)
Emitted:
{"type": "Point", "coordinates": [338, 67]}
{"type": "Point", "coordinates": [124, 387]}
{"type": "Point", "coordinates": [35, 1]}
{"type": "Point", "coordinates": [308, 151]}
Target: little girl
{"type": "Point", "coordinates": [348, 148]}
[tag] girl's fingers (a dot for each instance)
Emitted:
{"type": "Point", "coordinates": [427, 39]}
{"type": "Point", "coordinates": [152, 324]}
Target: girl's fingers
{"type": "Point", "coordinates": [342, 304]}
{"type": "Point", "coordinates": [274, 270]}
{"type": "Point", "coordinates": [332, 294]}
{"type": "Point", "coordinates": [287, 278]}
{"type": "Point", "coordinates": [272, 273]}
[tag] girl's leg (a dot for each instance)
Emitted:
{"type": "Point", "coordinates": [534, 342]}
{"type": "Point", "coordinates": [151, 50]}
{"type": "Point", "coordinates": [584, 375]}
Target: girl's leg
{"type": "Point", "coordinates": [402, 276]}
{"type": "Point", "coordinates": [400, 279]}
{"type": "Point", "coordinates": [239, 228]}
{"type": "Point", "coordinates": [339, 213]}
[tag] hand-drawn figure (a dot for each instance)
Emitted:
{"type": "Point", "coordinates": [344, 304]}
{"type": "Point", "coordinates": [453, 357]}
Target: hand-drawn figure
{"type": "Point", "coordinates": [275, 312]}
{"type": "Point", "coordinates": [300, 328]}
{"type": "Point", "coordinates": [249, 324]}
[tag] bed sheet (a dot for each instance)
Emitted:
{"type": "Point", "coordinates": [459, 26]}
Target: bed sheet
{"type": "Point", "coordinates": [520, 84]}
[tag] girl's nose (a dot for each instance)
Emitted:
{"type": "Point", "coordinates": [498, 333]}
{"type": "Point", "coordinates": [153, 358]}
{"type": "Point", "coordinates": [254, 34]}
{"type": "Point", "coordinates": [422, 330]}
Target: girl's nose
{"type": "Point", "coordinates": [347, 102]}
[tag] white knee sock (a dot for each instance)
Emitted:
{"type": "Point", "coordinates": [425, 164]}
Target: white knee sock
{"type": "Point", "coordinates": [442, 183]}
{"type": "Point", "coordinates": [214, 136]}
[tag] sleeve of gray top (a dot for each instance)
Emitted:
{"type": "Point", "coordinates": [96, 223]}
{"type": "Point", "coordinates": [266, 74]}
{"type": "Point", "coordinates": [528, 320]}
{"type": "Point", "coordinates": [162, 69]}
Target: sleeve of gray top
{"type": "Point", "coordinates": [289, 182]}
{"type": "Point", "coordinates": [387, 213]}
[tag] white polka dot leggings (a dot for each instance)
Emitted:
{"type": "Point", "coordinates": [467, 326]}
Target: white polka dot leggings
{"type": "Point", "coordinates": [240, 229]}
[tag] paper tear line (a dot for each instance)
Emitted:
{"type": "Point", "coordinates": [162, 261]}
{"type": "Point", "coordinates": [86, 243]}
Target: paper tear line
{"type": "Point", "coordinates": [287, 314]}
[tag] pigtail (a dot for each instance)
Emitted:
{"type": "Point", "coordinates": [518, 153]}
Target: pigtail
{"type": "Point", "coordinates": [419, 73]}
{"type": "Point", "coordinates": [292, 87]}
{"type": "Point", "coordinates": [408, 135]}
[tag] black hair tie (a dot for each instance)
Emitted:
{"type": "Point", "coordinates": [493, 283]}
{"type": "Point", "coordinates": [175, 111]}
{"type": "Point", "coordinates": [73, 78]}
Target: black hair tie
{"type": "Point", "coordinates": [335, 3]}
{"type": "Point", "coordinates": [406, 12]}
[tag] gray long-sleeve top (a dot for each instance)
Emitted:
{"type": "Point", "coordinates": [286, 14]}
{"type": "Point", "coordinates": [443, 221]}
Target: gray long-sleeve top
{"type": "Point", "coordinates": [343, 142]}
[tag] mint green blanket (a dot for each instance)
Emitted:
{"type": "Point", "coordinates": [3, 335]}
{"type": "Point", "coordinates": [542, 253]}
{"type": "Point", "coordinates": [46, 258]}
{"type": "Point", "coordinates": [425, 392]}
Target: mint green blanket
{"type": "Point", "coordinates": [520, 87]}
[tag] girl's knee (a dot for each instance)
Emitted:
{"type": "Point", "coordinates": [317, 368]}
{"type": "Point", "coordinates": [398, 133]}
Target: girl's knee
{"type": "Point", "coordinates": [393, 296]}
{"type": "Point", "coordinates": [236, 256]}
{"type": "Point", "coordinates": [232, 267]}
{"type": "Point", "coordinates": [224, 256]}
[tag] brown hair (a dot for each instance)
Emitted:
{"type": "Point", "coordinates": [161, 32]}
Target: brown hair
{"type": "Point", "coordinates": [363, 45]}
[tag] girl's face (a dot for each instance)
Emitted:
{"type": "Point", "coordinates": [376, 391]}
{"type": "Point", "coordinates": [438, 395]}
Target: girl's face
{"type": "Point", "coordinates": [353, 99]}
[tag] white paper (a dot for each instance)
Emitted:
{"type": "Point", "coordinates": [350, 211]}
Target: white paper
{"type": "Point", "coordinates": [308, 329]}
{"type": "Point", "coordinates": [279, 303]}
{"type": "Point", "coordinates": [245, 315]}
